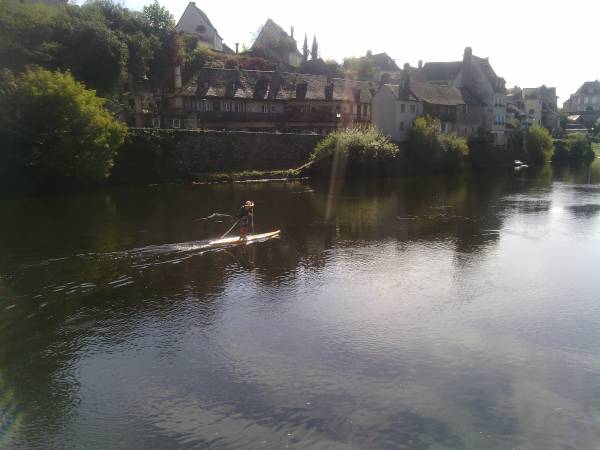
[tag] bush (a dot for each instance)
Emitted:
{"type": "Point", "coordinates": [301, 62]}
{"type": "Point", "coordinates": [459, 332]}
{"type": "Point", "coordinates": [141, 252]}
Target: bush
{"type": "Point", "coordinates": [540, 145]}
{"type": "Point", "coordinates": [53, 129]}
{"type": "Point", "coordinates": [577, 147]}
{"type": "Point", "coordinates": [428, 146]}
{"type": "Point", "coordinates": [357, 151]}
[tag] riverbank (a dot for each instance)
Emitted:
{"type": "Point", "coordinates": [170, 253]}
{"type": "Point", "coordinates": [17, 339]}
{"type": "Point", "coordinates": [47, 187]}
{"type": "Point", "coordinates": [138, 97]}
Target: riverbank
{"type": "Point", "coordinates": [159, 156]}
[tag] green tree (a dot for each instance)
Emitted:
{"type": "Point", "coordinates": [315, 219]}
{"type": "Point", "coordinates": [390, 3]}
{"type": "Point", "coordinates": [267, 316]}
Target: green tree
{"type": "Point", "coordinates": [360, 151]}
{"type": "Point", "coordinates": [54, 130]}
{"type": "Point", "coordinates": [580, 147]}
{"type": "Point", "coordinates": [305, 49]}
{"type": "Point", "coordinates": [428, 146]}
{"type": "Point", "coordinates": [540, 145]}
{"type": "Point", "coordinates": [159, 18]}
{"type": "Point", "coordinates": [314, 52]}
{"type": "Point", "coordinates": [26, 35]}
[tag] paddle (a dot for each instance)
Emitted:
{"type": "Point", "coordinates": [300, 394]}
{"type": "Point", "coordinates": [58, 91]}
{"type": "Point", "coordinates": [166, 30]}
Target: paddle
{"type": "Point", "coordinates": [229, 231]}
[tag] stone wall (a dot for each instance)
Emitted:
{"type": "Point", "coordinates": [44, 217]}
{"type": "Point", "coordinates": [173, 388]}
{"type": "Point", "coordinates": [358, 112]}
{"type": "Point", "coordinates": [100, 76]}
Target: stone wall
{"type": "Point", "coordinates": [156, 155]}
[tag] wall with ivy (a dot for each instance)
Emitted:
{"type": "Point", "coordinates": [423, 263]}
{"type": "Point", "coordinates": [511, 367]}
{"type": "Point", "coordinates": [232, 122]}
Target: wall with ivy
{"type": "Point", "coordinates": [155, 156]}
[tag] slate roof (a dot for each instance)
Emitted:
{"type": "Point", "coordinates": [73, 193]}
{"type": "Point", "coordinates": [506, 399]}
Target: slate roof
{"type": "Point", "coordinates": [383, 61]}
{"type": "Point", "coordinates": [445, 72]}
{"type": "Point", "coordinates": [440, 71]}
{"type": "Point", "coordinates": [443, 95]}
{"type": "Point", "coordinates": [270, 85]}
{"type": "Point", "coordinates": [435, 94]}
{"type": "Point", "coordinates": [401, 93]}
{"type": "Point", "coordinates": [270, 32]}
{"type": "Point", "coordinates": [589, 87]}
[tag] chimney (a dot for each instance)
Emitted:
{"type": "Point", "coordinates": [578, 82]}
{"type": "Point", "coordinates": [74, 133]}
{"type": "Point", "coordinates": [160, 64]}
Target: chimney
{"type": "Point", "coordinates": [237, 47]}
{"type": "Point", "coordinates": [292, 32]}
{"type": "Point", "coordinates": [467, 55]}
{"type": "Point", "coordinates": [405, 77]}
{"type": "Point", "coordinates": [420, 64]}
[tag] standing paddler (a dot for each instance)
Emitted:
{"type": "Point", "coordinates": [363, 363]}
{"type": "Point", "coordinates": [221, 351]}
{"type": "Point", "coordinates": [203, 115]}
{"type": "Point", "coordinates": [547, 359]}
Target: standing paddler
{"type": "Point", "coordinates": [246, 213]}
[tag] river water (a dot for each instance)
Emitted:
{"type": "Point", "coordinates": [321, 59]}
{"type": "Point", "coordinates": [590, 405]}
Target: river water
{"type": "Point", "coordinates": [423, 313]}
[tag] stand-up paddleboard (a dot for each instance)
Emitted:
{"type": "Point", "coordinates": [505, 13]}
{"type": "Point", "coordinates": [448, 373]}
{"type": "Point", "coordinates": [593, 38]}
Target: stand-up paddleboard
{"type": "Point", "coordinates": [249, 238]}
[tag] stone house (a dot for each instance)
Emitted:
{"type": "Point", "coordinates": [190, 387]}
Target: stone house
{"type": "Point", "coordinates": [475, 75]}
{"type": "Point", "coordinates": [251, 100]}
{"type": "Point", "coordinates": [541, 103]}
{"type": "Point", "coordinates": [395, 107]}
{"type": "Point", "coordinates": [585, 102]}
{"type": "Point", "coordinates": [274, 43]}
{"type": "Point", "coordinates": [195, 22]}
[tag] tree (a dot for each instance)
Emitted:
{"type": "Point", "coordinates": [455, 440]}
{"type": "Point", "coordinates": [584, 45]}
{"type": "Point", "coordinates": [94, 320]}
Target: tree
{"type": "Point", "coordinates": [539, 145]}
{"type": "Point", "coordinates": [359, 151]}
{"type": "Point", "coordinates": [159, 18]}
{"type": "Point", "coordinates": [315, 49]}
{"type": "Point", "coordinates": [428, 146]}
{"type": "Point", "coordinates": [580, 147]}
{"type": "Point", "coordinates": [54, 130]}
{"type": "Point", "coordinates": [100, 63]}
{"type": "Point", "coordinates": [305, 48]}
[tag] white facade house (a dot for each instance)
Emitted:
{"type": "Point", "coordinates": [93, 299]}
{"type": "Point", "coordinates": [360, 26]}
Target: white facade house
{"type": "Point", "coordinates": [394, 110]}
{"type": "Point", "coordinates": [195, 22]}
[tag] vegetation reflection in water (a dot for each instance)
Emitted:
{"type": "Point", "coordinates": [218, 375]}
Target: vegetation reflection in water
{"type": "Point", "coordinates": [433, 313]}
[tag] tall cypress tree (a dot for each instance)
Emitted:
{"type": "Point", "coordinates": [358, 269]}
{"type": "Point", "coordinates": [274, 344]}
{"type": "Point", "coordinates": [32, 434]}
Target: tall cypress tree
{"type": "Point", "coordinates": [305, 48]}
{"type": "Point", "coordinates": [315, 48]}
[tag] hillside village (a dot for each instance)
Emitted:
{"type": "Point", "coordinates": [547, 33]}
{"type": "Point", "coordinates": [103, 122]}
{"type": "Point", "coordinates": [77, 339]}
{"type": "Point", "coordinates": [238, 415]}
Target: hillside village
{"type": "Point", "coordinates": [274, 86]}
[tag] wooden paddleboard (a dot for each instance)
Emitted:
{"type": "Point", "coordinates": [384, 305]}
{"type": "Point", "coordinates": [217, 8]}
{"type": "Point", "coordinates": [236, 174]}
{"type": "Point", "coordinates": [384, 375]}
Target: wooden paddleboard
{"type": "Point", "coordinates": [249, 238]}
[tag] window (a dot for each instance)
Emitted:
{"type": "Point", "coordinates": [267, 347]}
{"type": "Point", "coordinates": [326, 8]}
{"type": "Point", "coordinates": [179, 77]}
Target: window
{"type": "Point", "coordinates": [413, 108]}
{"type": "Point", "coordinates": [176, 123]}
{"type": "Point", "coordinates": [265, 108]}
{"type": "Point", "coordinates": [402, 105]}
{"type": "Point", "coordinates": [155, 122]}
{"type": "Point", "coordinates": [586, 100]}
{"type": "Point", "coordinates": [401, 126]}
{"type": "Point", "coordinates": [227, 107]}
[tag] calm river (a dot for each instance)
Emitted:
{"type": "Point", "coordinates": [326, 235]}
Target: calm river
{"type": "Point", "coordinates": [428, 313]}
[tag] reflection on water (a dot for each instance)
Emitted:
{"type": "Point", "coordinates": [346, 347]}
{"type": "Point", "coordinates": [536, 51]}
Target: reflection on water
{"type": "Point", "coordinates": [432, 313]}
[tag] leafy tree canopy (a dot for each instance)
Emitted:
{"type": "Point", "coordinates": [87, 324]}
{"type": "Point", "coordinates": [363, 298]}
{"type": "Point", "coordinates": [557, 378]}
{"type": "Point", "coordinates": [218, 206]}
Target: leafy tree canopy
{"type": "Point", "coordinates": [53, 129]}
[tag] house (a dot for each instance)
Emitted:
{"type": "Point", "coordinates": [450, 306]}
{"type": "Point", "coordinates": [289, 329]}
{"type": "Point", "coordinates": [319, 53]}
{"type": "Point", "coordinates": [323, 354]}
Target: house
{"type": "Point", "coordinates": [395, 107]}
{"type": "Point", "coordinates": [585, 102]}
{"type": "Point", "coordinates": [252, 100]}
{"type": "Point", "coordinates": [477, 76]}
{"type": "Point", "coordinates": [195, 22]}
{"type": "Point", "coordinates": [274, 43]}
{"type": "Point", "coordinates": [516, 112]}
{"type": "Point", "coordinates": [541, 102]}
{"type": "Point", "coordinates": [385, 67]}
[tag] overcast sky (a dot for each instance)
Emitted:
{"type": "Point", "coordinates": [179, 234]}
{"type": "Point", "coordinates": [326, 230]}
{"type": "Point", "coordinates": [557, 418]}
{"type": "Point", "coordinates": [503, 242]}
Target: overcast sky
{"type": "Point", "coordinates": [529, 42]}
